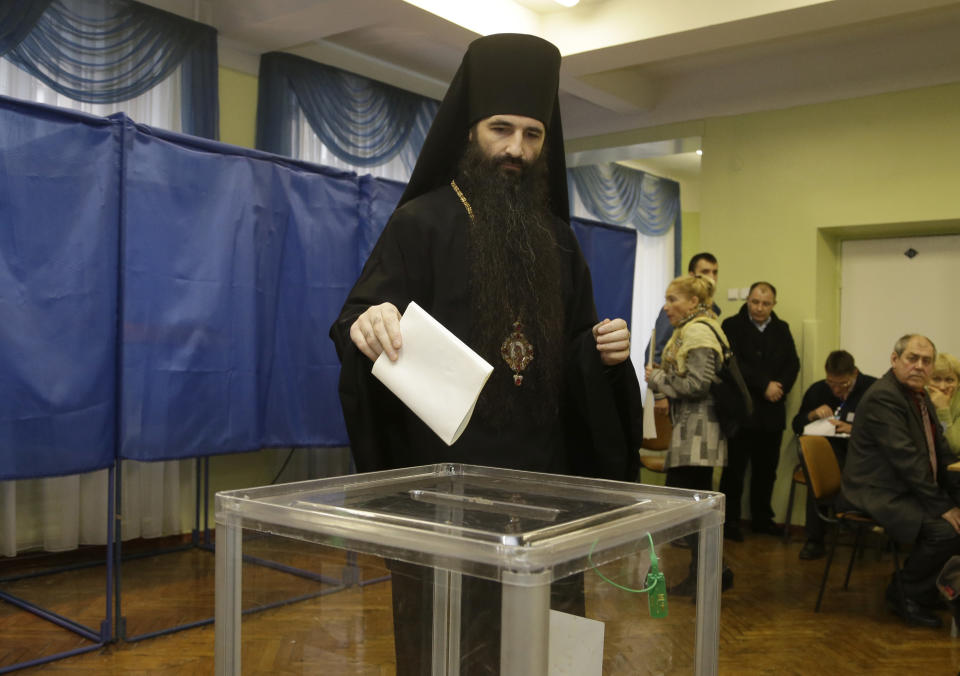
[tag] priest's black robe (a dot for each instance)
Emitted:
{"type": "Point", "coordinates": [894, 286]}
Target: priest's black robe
{"type": "Point", "coordinates": [422, 256]}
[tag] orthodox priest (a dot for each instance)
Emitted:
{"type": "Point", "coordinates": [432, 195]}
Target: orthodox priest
{"type": "Point", "coordinates": [481, 240]}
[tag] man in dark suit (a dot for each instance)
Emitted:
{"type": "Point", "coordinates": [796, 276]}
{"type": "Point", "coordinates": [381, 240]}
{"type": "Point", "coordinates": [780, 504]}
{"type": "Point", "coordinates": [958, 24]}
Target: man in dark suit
{"type": "Point", "coordinates": [835, 399]}
{"type": "Point", "coordinates": [769, 363]}
{"type": "Point", "coordinates": [896, 471]}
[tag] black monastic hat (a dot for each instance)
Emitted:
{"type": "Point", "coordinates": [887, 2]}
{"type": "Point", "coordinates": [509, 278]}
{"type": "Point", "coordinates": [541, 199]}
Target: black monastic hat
{"type": "Point", "coordinates": [505, 74]}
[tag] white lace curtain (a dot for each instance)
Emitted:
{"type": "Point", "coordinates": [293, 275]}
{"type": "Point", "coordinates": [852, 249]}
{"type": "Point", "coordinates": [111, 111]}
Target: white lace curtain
{"type": "Point", "coordinates": [62, 513]}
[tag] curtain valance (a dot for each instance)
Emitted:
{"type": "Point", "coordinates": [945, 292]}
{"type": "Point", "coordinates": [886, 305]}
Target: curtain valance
{"type": "Point", "coordinates": [105, 51]}
{"type": "Point", "coordinates": [17, 19]}
{"type": "Point", "coordinates": [361, 121]}
{"type": "Point", "coordinates": [616, 194]}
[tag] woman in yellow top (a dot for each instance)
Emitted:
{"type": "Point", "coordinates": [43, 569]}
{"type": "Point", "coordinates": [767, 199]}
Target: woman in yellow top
{"type": "Point", "coordinates": [945, 394]}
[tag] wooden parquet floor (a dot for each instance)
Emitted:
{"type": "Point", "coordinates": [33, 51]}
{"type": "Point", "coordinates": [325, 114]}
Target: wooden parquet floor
{"type": "Point", "coordinates": [767, 621]}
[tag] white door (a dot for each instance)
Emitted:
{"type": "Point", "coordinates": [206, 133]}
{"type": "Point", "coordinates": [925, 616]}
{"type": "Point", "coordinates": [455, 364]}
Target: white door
{"type": "Point", "coordinates": [890, 287]}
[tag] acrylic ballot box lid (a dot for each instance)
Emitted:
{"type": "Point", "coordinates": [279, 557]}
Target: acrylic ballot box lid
{"type": "Point", "coordinates": [478, 521]}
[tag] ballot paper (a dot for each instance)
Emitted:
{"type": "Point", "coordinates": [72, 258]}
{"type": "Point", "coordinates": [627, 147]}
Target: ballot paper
{"type": "Point", "coordinates": [822, 428]}
{"type": "Point", "coordinates": [436, 375]}
{"type": "Point", "coordinates": [576, 645]}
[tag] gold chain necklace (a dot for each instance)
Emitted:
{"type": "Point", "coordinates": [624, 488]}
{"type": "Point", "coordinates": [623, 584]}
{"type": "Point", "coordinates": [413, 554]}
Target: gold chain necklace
{"type": "Point", "coordinates": [463, 198]}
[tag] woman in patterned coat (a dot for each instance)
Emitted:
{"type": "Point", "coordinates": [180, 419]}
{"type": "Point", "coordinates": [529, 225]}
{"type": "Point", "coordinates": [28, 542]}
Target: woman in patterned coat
{"type": "Point", "coordinates": [690, 363]}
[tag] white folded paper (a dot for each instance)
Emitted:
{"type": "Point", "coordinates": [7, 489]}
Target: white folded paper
{"type": "Point", "coordinates": [576, 645]}
{"type": "Point", "coordinates": [821, 428]}
{"type": "Point", "coordinates": [436, 375]}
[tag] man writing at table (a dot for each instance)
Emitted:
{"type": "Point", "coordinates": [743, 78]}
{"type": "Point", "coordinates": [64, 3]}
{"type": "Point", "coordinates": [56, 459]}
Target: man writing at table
{"type": "Point", "coordinates": [896, 471]}
{"type": "Point", "coordinates": [835, 399]}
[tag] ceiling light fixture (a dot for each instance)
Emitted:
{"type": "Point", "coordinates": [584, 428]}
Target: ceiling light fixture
{"type": "Point", "coordinates": [567, 3]}
{"type": "Point", "coordinates": [699, 152]}
{"type": "Point", "coordinates": [486, 18]}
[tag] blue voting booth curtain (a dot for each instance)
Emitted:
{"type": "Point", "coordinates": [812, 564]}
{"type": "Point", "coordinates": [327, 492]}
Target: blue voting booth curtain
{"type": "Point", "coordinates": [59, 224]}
{"type": "Point", "coordinates": [235, 268]}
{"type": "Point", "coordinates": [223, 269]}
{"type": "Point", "coordinates": [610, 252]}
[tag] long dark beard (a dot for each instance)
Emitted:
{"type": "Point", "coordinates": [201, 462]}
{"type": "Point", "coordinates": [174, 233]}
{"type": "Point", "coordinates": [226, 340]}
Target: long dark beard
{"type": "Point", "coordinates": [514, 275]}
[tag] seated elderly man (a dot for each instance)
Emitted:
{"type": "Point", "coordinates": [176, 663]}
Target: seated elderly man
{"type": "Point", "coordinates": [834, 398]}
{"type": "Point", "coordinates": [896, 471]}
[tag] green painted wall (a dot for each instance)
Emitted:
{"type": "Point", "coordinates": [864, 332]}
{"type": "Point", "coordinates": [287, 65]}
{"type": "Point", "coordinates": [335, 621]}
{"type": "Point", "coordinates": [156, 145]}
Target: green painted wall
{"type": "Point", "coordinates": [780, 191]}
{"type": "Point", "coordinates": [771, 181]}
{"type": "Point", "coordinates": [238, 108]}
{"type": "Point", "coordinates": [689, 236]}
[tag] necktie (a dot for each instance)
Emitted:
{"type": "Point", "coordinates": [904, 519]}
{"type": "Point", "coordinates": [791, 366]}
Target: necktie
{"type": "Point", "coordinates": [928, 430]}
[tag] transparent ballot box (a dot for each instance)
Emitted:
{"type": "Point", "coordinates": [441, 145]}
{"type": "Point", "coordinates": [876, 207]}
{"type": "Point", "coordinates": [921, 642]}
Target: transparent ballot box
{"type": "Point", "coordinates": [455, 569]}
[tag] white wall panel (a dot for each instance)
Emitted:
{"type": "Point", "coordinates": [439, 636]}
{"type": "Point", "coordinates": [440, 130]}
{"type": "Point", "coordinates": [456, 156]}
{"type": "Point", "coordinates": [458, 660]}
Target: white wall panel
{"type": "Point", "coordinates": [886, 294]}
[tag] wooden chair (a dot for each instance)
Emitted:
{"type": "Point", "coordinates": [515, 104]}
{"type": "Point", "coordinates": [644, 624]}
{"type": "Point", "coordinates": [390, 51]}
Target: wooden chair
{"type": "Point", "coordinates": [822, 473]}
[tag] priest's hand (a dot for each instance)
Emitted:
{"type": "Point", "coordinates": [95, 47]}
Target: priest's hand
{"type": "Point", "coordinates": [613, 341]}
{"type": "Point", "coordinates": [378, 330]}
{"type": "Point", "coordinates": [952, 516]}
{"type": "Point", "coordinates": [774, 392]}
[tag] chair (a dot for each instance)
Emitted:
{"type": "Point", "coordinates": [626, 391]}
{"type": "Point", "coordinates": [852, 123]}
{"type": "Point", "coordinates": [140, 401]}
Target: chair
{"type": "Point", "coordinates": [796, 478]}
{"type": "Point", "coordinates": [822, 473]}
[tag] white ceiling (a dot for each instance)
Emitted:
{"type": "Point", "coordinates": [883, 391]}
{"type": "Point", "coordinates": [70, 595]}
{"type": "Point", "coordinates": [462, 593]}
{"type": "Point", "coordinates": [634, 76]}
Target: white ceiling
{"type": "Point", "coordinates": [627, 64]}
